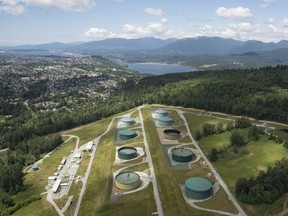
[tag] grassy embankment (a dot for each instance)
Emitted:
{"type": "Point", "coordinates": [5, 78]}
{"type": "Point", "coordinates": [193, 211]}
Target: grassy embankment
{"type": "Point", "coordinates": [33, 184]}
{"type": "Point", "coordinates": [96, 200]}
{"type": "Point", "coordinates": [262, 153]}
{"type": "Point", "coordinates": [168, 180]}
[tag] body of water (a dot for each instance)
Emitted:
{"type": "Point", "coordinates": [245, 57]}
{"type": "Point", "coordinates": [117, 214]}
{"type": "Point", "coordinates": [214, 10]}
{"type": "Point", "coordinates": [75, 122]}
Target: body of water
{"type": "Point", "coordinates": [159, 68]}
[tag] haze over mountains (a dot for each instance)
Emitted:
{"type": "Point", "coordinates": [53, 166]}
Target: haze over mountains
{"type": "Point", "coordinates": [199, 52]}
{"type": "Point", "coordinates": [195, 46]}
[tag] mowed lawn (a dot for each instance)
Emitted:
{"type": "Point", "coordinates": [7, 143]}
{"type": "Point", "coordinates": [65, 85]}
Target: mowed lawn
{"type": "Point", "coordinates": [2, 118]}
{"type": "Point", "coordinates": [196, 122]}
{"type": "Point", "coordinates": [96, 200]}
{"type": "Point", "coordinates": [169, 180]}
{"type": "Point", "coordinates": [262, 153]}
{"type": "Point", "coordinates": [39, 207]}
{"type": "Point", "coordinates": [35, 182]}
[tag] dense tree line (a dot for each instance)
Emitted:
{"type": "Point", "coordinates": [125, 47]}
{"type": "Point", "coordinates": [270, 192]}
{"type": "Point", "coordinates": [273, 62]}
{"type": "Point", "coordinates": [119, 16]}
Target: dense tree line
{"type": "Point", "coordinates": [266, 187]}
{"type": "Point", "coordinates": [259, 93]}
{"type": "Point", "coordinates": [11, 175]}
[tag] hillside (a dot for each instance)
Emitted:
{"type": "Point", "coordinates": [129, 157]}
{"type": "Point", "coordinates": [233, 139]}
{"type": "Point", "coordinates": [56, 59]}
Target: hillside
{"type": "Point", "coordinates": [260, 93]}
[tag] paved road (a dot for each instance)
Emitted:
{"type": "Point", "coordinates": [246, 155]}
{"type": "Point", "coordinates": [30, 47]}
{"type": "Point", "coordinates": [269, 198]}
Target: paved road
{"type": "Point", "coordinates": [67, 204]}
{"type": "Point", "coordinates": [216, 174]}
{"type": "Point", "coordinates": [3, 150]}
{"type": "Point", "coordinates": [96, 141]}
{"type": "Point", "coordinates": [50, 199]}
{"type": "Point", "coordinates": [149, 160]}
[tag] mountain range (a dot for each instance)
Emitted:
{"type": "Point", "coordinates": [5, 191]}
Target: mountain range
{"type": "Point", "coordinates": [199, 52]}
{"type": "Point", "coordinates": [194, 46]}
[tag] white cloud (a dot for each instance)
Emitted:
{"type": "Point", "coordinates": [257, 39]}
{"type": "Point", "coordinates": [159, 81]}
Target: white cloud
{"type": "Point", "coordinates": [228, 33]}
{"type": "Point", "coordinates": [245, 26]}
{"type": "Point", "coordinates": [12, 9]}
{"type": "Point", "coordinates": [19, 6]}
{"type": "Point", "coordinates": [164, 20]}
{"type": "Point", "coordinates": [154, 12]}
{"type": "Point", "coordinates": [155, 29]}
{"type": "Point", "coordinates": [96, 33]}
{"type": "Point", "coordinates": [285, 22]}
{"type": "Point", "coordinates": [266, 3]}
{"type": "Point", "coordinates": [237, 12]}
{"type": "Point", "coordinates": [270, 20]}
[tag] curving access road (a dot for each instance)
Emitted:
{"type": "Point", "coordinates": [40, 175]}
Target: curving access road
{"type": "Point", "coordinates": [216, 174]}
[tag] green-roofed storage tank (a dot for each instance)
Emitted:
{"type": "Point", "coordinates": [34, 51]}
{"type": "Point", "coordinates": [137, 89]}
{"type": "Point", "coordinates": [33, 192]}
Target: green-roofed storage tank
{"type": "Point", "coordinates": [160, 113]}
{"type": "Point", "coordinates": [35, 168]}
{"type": "Point", "coordinates": [127, 153]}
{"type": "Point", "coordinates": [183, 155]}
{"type": "Point", "coordinates": [127, 181]}
{"type": "Point", "coordinates": [165, 121]}
{"type": "Point", "coordinates": [127, 121]}
{"type": "Point", "coordinates": [198, 188]}
{"type": "Point", "coordinates": [127, 134]}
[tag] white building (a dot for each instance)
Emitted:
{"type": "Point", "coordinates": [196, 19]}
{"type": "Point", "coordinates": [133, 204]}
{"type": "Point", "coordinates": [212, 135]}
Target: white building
{"type": "Point", "coordinates": [77, 155]}
{"type": "Point", "coordinates": [56, 186]}
{"type": "Point", "coordinates": [89, 146]}
{"type": "Point", "coordinates": [63, 161]}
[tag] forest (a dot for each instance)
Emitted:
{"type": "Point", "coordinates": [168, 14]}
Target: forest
{"type": "Point", "coordinates": [266, 187]}
{"type": "Point", "coordinates": [259, 93]}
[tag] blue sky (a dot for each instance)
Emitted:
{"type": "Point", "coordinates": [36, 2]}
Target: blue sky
{"type": "Point", "coordinates": [44, 21]}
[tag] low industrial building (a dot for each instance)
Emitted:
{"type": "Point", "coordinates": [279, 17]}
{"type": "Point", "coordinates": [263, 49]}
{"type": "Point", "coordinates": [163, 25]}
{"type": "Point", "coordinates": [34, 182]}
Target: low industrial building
{"type": "Point", "coordinates": [77, 156]}
{"type": "Point", "coordinates": [89, 146]}
{"type": "Point", "coordinates": [63, 161]}
{"type": "Point", "coordinates": [56, 186]}
{"type": "Point", "coordinates": [52, 178]}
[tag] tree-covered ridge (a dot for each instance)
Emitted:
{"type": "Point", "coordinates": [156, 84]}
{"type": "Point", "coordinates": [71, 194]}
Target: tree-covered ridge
{"type": "Point", "coordinates": [266, 187]}
{"type": "Point", "coordinates": [259, 93]}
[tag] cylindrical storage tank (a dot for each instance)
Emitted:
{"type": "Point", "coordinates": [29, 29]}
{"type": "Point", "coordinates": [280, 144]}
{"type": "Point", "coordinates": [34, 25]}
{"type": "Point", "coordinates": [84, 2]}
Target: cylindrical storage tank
{"type": "Point", "coordinates": [35, 168]}
{"type": "Point", "coordinates": [127, 153]}
{"type": "Point", "coordinates": [127, 121]}
{"type": "Point", "coordinates": [127, 181]}
{"type": "Point", "coordinates": [165, 121]}
{"type": "Point", "coordinates": [183, 155]}
{"type": "Point", "coordinates": [127, 134]}
{"type": "Point", "coordinates": [198, 188]}
{"type": "Point", "coordinates": [160, 113]}
{"type": "Point", "coordinates": [171, 134]}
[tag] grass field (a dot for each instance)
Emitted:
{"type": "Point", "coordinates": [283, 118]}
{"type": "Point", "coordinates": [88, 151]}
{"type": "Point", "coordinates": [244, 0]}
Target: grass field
{"type": "Point", "coordinates": [35, 182]}
{"type": "Point", "coordinates": [218, 140]}
{"type": "Point", "coordinates": [168, 180]}
{"type": "Point", "coordinates": [96, 200]}
{"type": "Point", "coordinates": [262, 153]}
{"type": "Point", "coordinates": [196, 122]}
{"type": "Point", "coordinates": [89, 132]}
{"type": "Point", "coordinates": [280, 134]}
{"type": "Point", "coordinates": [39, 207]}
{"type": "Point", "coordinates": [2, 118]}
